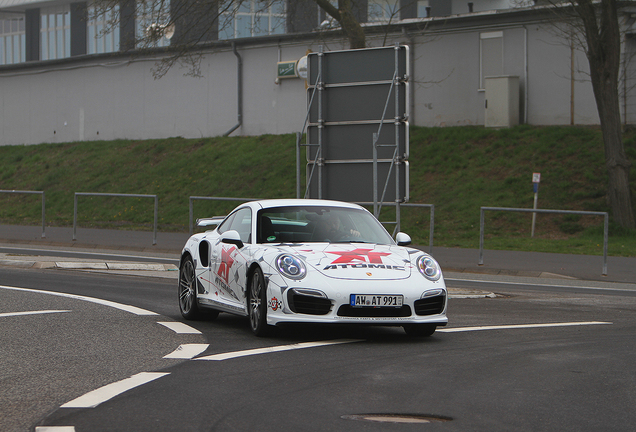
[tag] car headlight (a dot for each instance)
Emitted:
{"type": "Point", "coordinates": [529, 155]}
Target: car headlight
{"type": "Point", "coordinates": [290, 266]}
{"type": "Point", "coordinates": [429, 267]}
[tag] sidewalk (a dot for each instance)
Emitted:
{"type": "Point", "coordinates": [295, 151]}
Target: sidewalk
{"type": "Point", "coordinates": [452, 260]}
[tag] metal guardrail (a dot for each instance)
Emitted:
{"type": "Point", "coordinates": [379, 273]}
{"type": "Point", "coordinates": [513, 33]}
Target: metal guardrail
{"type": "Point", "coordinates": [524, 210]}
{"type": "Point", "coordinates": [78, 194]}
{"type": "Point", "coordinates": [43, 204]}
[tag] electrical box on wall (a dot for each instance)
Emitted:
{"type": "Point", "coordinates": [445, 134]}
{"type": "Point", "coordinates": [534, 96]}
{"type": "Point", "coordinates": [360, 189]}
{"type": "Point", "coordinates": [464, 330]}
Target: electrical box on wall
{"type": "Point", "coordinates": [502, 101]}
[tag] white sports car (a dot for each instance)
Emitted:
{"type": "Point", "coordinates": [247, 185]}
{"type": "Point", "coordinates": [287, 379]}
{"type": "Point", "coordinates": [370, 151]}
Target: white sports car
{"type": "Point", "coordinates": [293, 261]}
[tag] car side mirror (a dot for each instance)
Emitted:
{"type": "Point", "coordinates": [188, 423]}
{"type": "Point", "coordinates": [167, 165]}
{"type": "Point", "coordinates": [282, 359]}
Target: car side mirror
{"type": "Point", "coordinates": [403, 239]}
{"type": "Point", "coordinates": [232, 237]}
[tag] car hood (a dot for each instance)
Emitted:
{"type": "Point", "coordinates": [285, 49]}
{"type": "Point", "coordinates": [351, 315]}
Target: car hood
{"type": "Point", "coordinates": [356, 260]}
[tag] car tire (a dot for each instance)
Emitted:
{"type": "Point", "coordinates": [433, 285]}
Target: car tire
{"type": "Point", "coordinates": [188, 293]}
{"type": "Point", "coordinates": [257, 304]}
{"type": "Point", "coordinates": [187, 290]}
{"type": "Point", "coordinates": [419, 330]}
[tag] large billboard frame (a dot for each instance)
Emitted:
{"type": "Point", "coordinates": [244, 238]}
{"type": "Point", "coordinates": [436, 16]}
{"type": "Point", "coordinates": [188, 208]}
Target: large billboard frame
{"type": "Point", "coordinates": [357, 134]}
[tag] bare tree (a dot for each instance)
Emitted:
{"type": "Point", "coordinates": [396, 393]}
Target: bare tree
{"type": "Point", "coordinates": [344, 14]}
{"type": "Point", "coordinates": [596, 27]}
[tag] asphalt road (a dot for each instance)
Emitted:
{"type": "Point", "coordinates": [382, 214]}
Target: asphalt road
{"type": "Point", "coordinates": [496, 367]}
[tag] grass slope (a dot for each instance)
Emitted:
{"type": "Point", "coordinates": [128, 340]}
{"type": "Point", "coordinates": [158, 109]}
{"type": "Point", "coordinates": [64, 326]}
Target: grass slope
{"type": "Point", "coordinates": [458, 169]}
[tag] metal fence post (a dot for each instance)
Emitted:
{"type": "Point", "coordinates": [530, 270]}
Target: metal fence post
{"type": "Point", "coordinates": [154, 237]}
{"type": "Point", "coordinates": [191, 215]}
{"type": "Point", "coordinates": [481, 236]}
{"type": "Point", "coordinates": [75, 217]}
{"type": "Point", "coordinates": [43, 215]}
{"type": "Point", "coordinates": [431, 229]}
{"type": "Point", "coordinates": [298, 137]}
{"type": "Point", "coordinates": [605, 242]}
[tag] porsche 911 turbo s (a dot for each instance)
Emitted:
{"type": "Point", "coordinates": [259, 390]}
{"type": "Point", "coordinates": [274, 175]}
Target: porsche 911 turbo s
{"type": "Point", "coordinates": [317, 261]}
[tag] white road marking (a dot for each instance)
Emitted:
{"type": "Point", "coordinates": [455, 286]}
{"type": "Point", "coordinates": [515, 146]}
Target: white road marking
{"type": "Point", "coordinates": [562, 285]}
{"type": "Point", "coordinates": [55, 429]}
{"type": "Point", "coordinates": [126, 308]}
{"type": "Point", "coordinates": [179, 327]}
{"type": "Point", "coordinates": [187, 351]}
{"type": "Point", "coordinates": [102, 394]}
{"type": "Point", "coordinates": [518, 326]}
{"type": "Point", "coordinates": [81, 265]}
{"type": "Point", "coordinates": [267, 350]}
{"type": "Point", "coordinates": [11, 314]}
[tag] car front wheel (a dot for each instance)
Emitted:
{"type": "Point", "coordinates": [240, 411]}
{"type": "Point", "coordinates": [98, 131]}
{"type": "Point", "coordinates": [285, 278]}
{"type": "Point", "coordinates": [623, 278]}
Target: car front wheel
{"type": "Point", "coordinates": [257, 304]}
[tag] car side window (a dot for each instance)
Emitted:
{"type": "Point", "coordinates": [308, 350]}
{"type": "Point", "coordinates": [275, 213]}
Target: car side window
{"type": "Point", "coordinates": [226, 224]}
{"type": "Point", "coordinates": [242, 223]}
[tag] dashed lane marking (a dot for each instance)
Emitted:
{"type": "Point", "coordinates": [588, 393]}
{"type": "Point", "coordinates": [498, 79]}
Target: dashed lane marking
{"type": "Point", "coordinates": [179, 327]}
{"type": "Point", "coordinates": [12, 314]}
{"type": "Point", "coordinates": [126, 308]}
{"type": "Point", "coordinates": [187, 351]}
{"type": "Point", "coordinates": [624, 287]}
{"type": "Point", "coordinates": [267, 350]}
{"type": "Point", "coordinates": [55, 429]}
{"type": "Point", "coordinates": [103, 394]}
{"type": "Point", "coordinates": [519, 326]}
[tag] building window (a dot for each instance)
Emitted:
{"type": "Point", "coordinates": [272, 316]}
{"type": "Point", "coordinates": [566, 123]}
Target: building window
{"type": "Point", "coordinates": [423, 9]}
{"type": "Point", "coordinates": [383, 10]}
{"type": "Point", "coordinates": [102, 30]}
{"type": "Point", "coordinates": [12, 41]}
{"type": "Point", "coordinates": [152, 14]}
{"type": "Point", "coordinates": [55, 32]}
{"type": "Point", "coordinates": [253, 18]}
{"type": "Point", "coordinates": [491, 56]}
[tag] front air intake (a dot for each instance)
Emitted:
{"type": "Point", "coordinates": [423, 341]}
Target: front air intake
{"type": "Point", "coordinates": [308, 304]}
{"type": "Point", "coordinates": [430, 305]}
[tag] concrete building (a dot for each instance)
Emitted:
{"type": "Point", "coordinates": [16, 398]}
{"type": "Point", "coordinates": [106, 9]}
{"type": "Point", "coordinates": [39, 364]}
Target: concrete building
{"type": "Point", "coordinates": [68, 76]}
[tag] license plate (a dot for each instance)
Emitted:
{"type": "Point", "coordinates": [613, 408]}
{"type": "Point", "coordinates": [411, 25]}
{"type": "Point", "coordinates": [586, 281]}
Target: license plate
{"type": "Point", "coordinates": [375, 300]}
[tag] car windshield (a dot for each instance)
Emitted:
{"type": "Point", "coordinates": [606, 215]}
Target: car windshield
{"type": "Point", "coordinates": [303, 224]}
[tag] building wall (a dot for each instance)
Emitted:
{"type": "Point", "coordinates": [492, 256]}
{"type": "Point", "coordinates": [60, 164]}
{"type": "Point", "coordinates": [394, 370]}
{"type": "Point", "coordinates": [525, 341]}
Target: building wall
{"type": "Point", "coordinates": [106, 97]}
{"type": "Point", "coordinates": [550, 82]}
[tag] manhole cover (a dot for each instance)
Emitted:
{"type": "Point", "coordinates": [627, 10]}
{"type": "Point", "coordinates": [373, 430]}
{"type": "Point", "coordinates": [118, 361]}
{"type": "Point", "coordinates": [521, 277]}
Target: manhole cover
{"type": "Point", "coordinates": [397, 418]}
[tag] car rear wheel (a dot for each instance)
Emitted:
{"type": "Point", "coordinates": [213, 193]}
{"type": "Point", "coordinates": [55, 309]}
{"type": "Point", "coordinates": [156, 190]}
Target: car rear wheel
{"type": "Point", "coordinates": [188, 295]}
{"type": "Point", "coordinates": [187, 290]}
{"type": "Point", "coordinates": [419, 330]}
{"type": "Point", "coordinates": [257, 304]}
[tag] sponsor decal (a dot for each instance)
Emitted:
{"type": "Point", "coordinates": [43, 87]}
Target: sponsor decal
{"type": "Point", "coordinates": [226, 263]}
{"type": "Point", "coordinates": [364, 266]}
{"type": "Point", "coordinates": [361, 259]}
{"type": "Point", "coordinates": [274, 304]}
{"type": "Point", "coordinates": [359, 255]}
{"type": "Point", "coordinates": [219, 283]}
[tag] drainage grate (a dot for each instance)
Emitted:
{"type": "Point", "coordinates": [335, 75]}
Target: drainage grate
{"type": "Point", "coordinates": [397, 418]}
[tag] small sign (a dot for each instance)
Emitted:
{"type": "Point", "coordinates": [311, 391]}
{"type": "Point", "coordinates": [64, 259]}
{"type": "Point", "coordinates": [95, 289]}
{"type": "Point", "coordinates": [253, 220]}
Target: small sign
{"type": "Point", "coordinates": [536, 177]}
{"type": "Point", "coordinates": [287, 69]}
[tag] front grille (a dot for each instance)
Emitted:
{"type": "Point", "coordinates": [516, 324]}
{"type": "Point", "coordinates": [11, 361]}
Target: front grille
{"type": "Point", "coordinates": [310, 305]}
{"type": "Point", "coordinates": [379, 312]}
{"type": "Point", "coordinates": [430, 305]}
